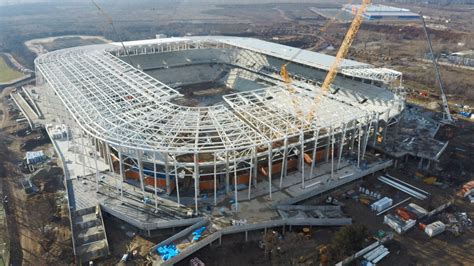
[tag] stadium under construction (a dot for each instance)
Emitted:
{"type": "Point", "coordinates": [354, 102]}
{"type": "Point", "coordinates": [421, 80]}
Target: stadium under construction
{"type": "Point", "coordinates": [186, 123]}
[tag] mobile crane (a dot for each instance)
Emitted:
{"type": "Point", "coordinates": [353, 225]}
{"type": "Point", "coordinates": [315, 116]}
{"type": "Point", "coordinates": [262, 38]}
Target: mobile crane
{"type": "Point", "coordinates": [447, 118]}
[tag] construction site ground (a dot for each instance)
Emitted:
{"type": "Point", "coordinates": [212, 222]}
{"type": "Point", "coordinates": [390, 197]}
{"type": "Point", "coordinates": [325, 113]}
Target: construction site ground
{"type": "Point", "coordinates": [38, 227]}
{"type": "Point", "coordinates": [295, 249]}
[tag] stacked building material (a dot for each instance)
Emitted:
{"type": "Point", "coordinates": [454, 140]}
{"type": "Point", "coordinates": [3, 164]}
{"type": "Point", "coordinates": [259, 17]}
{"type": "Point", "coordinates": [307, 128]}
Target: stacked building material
{"type": "Point", "coordinates": [382, 204]}
{"type": "Point", "coordinates": [376, 255]}
{"type": "Point", "coordinates": [405, 187]}
{"type": "Point", "coordinates": [435, 228]}
{"type": "Point", "coordinates": [419, 211]}
{"type": "Point", "coordinates": [466, 189]}
{"type": "Point", "coordinates": [396, 223]}
{"type": "Point", "coordinates": [405, 214]}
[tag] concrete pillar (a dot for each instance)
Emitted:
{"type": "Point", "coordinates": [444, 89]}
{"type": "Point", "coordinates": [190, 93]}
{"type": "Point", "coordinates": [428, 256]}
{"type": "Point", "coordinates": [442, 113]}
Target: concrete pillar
{"type": "Point", "coordinates": [328, 146]}
{"type": "Point", "coordinates": [301, 159]}
{"type": "Point", "coordinates": [270, 163]}
{"type": "Point", "coordinates": [341, 145]}
{"type": "Point", "coordinates": [140, 171]}
{"type": "Point", "coordinates": [235, 183]}
{"type": "Point", "coordinates": [315, 148]}
{"type": "Point", "coordinates": [176, 178]}
{"type": "Point", "coordinates": [122, 174]}
{"type": "Point", "coordinates": [255, 167]}
{"type": "Point", "coordinates": [376, 129]}
{"type": "Point", "coordinates": [227, 177]}
{"type": "Point", "coordinates": [284, 161]}
{"type": "Point", "coordinates": [196, 182]}
{"type": "Point", "coordinates": [215, 180]}
{"type": "Point", "coordinates": [167, 173]}
{"type": "Point", "coordinates": [96, 169]}
{"type": "Point", "coordinates": [154, 182]}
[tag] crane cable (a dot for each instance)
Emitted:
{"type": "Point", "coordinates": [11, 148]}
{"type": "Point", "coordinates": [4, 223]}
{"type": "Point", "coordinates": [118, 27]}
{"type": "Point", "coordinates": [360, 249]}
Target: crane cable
{"type": "Point", "coordinates": [111, 22]}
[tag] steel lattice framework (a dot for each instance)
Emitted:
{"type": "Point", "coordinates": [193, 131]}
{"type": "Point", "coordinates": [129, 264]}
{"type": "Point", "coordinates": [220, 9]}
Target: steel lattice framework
{"type": "Point", "coordinates": [115, 102]}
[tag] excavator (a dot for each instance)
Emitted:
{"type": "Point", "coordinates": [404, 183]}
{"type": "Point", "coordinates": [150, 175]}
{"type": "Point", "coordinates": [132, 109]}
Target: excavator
{"type": "Point", "coordinates": [333, 70]}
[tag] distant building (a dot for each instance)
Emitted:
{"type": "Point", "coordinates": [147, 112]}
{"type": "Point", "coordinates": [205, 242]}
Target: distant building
{"type": "Point", "coordinates": [382, 12]}
{"type": "Point", "coordinates": [465, 58]}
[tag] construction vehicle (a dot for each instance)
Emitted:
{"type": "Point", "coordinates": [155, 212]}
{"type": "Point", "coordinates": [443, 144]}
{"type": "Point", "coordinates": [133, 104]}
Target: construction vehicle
{"type": "Point", "coordinates": [333, 70]}
{"type": "Point", "coordinates": [447, 118]}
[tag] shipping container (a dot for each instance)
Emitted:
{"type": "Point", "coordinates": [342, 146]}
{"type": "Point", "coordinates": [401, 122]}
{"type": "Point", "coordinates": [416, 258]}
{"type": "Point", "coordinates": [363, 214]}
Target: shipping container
{"type": "Point", "coordinates": [435, 228]}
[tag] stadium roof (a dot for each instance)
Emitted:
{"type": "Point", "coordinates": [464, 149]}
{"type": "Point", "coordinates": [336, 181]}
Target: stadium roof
{"type": "Point", "coordinates": [382, 10]}
{"type": "Point", "coordinates": [120, 104]}
{"type": "Point", "coordinates": [317, 60]}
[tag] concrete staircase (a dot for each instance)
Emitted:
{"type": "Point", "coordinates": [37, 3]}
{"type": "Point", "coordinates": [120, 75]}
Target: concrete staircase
{"type": "Point", "coordinates": [89, 234]}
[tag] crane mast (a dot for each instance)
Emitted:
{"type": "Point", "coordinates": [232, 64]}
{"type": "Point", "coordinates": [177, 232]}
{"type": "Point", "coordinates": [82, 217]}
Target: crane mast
{"type": "Point", "coordinates": [333, 70]}
{"type": "Point", "coordinates": [346, 44]}
{"type": "Point", "coordinates": [341, 54]}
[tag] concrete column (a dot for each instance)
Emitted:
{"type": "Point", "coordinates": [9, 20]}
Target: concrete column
{"type": "Point", "coordinates": [154, 182]}
{"type": "Point", "coordinates": [386, 125]}
{"type": "Point", "coordinates": [284, 161]}
{"type": "Point", "coordinates": [255, 167]}
{"type": "Point", "coordinates": [167, 174]}
{"type": "Point", "coordinates": [96, 168]}
{"type": "Point", "coordinates": [84, 154]}
{"type": "Point", "coordinates": [353, 137]}
{"type": "Point", "coordinates": [176, 177]}
{"type": "Point", "coordinates": [341, 146]}
{"type": "Point", "coordinates": [333, 140]}
{"type": "Point", "coordinates": [328, 146]}
{"type": "Point", "coordinates": [315, 149]}
{"type": "Point", "coordinates": [108, 154]}
{"type": "Point", "coordinates": [196, 182]}
{"type": "Point", "coordinates": [376, 129]}
{"type": "Point", "coordinates": [358, 145]}
{"type": "Point", "coordinates": [270, 170]}
{"type": "Point", "coordinates": [301, 158]}
{"type": "Point", "coordinates": [250, 177]}
{"type": "Point", "coordinates": [227, 177]}
{"type": "Point", "coordinates": [140, 171]}
{"type": "Point", "coordinates": [215, 179]}
{"type": "Point", "coordinates": [121, 172]}
{"type": "Point", "coordinates": [235, 183]}
{"type": "Point", "coordinates": [366, 138]}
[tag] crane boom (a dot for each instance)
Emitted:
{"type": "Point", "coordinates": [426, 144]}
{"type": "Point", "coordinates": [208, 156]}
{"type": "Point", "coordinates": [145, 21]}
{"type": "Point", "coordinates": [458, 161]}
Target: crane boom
{"type": "Point", "coordinates": [346, 44]}
{"type": "Point", "coordinates": [447, 114]}
{"type": "Point", "coordinates": [341, 54]}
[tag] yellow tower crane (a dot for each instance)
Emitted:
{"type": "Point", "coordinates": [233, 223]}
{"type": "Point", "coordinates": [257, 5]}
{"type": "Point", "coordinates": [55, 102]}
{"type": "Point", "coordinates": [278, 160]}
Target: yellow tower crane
{"type": "Point", "coordinates": [341, 54]}
{"type": "Point", "coordinates": [333, 70]}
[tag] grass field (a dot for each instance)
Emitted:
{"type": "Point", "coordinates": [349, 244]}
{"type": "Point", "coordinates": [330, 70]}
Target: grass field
{"type": "Point", "coordinates": [7, 73]}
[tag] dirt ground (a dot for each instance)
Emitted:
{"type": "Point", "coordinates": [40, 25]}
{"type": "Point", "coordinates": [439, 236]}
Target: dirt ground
{"type": "Point", "coordinates": [38, 225]}
{"type": "Point", "coordinates": [124, 238]}
{"type": "Point", "coordinates": [295, 249]}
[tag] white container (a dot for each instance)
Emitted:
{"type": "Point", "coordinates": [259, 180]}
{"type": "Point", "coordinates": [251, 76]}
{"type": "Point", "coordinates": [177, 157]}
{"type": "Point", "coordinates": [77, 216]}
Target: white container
{"type": "Point", "coordinates": [382, 204]}
{"type": "Point", "coordinates": [435, 228]}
